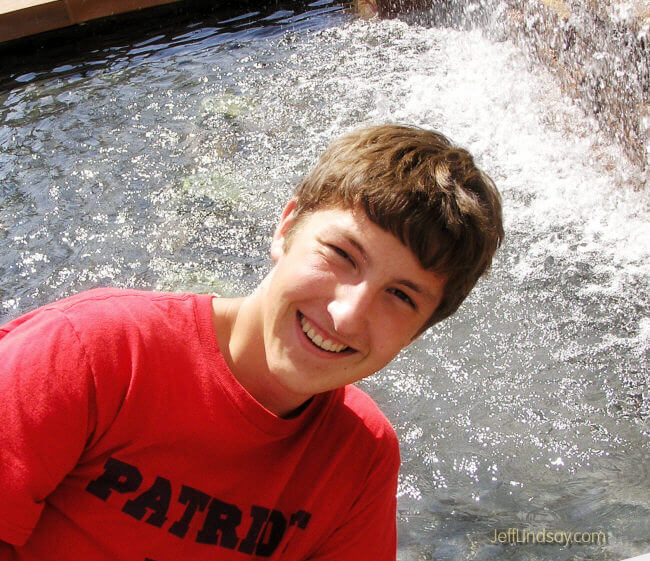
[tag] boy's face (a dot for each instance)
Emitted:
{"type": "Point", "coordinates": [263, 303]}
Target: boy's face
{"type": "Point", "coordinates": [343, 299]}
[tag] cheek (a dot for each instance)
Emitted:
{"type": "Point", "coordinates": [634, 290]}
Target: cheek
{"type": "Point", "coordinates": [299, 286]}
{"type": "Point", "coordinates": [391, 333]}
{"type": "Point", "coordinates": [309, 276]}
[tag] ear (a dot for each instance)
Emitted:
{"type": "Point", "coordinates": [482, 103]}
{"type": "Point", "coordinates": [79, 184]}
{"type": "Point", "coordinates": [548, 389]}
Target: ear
{"type": "Point", "coordinates": [286, 221]}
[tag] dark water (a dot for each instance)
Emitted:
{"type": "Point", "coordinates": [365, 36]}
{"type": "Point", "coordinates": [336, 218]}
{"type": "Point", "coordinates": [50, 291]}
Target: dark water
{"type": "Point", "coordinates": [161, 160]}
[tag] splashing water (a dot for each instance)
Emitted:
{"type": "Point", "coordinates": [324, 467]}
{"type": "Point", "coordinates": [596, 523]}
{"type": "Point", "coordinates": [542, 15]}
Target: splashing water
{"type": "Point", "coordinates": [162, 163]}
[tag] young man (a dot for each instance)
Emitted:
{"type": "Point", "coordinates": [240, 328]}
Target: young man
{"type": "Point", "coordinates": [146, 426]}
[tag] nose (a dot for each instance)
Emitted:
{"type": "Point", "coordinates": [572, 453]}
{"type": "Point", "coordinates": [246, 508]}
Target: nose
{"type": "Point", "coordinates": [350, 308]}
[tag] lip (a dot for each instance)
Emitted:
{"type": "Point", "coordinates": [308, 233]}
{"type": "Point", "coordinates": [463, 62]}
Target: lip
{"type": "Point", "coordinates": [306, 342]}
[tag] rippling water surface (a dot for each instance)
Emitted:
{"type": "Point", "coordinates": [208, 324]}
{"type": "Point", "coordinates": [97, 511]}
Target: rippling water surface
{"type": "Point", "coordinates": [162, 162]}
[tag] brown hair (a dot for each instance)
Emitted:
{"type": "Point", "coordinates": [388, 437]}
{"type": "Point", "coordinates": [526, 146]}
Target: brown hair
{"type": "Point", "coordinates": [416, 185]}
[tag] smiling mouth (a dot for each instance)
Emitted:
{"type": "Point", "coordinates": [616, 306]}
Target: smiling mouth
{"type": "Point", "coordinates": [317, 340]}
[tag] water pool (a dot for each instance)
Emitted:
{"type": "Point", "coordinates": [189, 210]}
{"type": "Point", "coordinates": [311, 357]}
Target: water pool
{"type": "Point", "coordinates": [160, 160]}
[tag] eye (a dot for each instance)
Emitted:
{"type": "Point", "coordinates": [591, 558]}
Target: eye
{"type": "Point", "coordinates": [342, 253]}
{"type": "Point", "coordinates": [403, 297]}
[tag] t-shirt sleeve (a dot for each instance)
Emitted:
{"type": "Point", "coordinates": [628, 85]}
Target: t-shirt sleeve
{"type": "Point", "coordinates": [369, 531]}
{"type": "Point", "coordinates": [46, 415]}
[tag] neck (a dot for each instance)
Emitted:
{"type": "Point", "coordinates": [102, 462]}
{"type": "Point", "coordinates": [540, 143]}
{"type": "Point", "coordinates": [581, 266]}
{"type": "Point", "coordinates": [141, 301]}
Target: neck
{"type": "Point", "coordinates": [239, 329]}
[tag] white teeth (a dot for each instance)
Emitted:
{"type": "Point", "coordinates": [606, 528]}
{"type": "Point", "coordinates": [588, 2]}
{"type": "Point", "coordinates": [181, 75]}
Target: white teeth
{"type": "Point", "coordinates": [315, 338]}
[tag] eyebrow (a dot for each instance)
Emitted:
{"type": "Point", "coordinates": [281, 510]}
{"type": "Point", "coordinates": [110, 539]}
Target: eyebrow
{"type": "Point", "coordinates": [358, 246]}
{"type": "Point", "coordinates": [418, 289]}
{"type": "Point", "coordinates": [414, 287]}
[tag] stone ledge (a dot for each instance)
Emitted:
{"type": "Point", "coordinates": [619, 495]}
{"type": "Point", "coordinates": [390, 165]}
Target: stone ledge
{"type": "Point", "coordinates": [600, 52]}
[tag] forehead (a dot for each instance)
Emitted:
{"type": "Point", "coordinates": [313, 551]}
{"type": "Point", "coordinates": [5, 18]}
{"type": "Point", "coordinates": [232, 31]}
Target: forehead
{"type": "Point", "coordinates": [339, 220]}
{"type": "Point", "coordinates": [352, 223]}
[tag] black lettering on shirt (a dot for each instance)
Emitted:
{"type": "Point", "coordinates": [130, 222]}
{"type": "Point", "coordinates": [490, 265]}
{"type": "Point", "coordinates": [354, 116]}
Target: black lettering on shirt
{"type": "Point", "coordinates": [300, 519]}
{"type": "Point", "coordinates": [118, 476]}
{"type": "Point", "coordinates": [264, 529]}
{"type": "Point", "coordinates": [195, 500]}
{"type": "Point", "coordinates": [222, 520]}
{"type": "Point", "coordinates": [156, 498]}
{"type": "Point", "coordinates": [259, 515]}
{"type": "Point", "coordinates": [272, 534]}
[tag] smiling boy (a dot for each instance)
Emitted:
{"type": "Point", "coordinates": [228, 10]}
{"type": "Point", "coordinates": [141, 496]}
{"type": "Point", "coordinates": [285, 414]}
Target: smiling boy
{"type": "Point", "coordinates": [176, 426]}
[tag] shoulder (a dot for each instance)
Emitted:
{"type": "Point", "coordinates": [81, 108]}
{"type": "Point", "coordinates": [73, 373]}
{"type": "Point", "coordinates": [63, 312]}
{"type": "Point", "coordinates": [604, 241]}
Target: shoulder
{"type": "Point", "coordinates": [361, 419]}
{"type": "Point", "coordinates": [119, 301]}
{"type": "Point", "coordinates": [112, 329]}
{"type": "Point", "coordinates": [107, 303]}
{"type": "Point", "coordinates": [110, 312]}
{"type": "Point", "coordinates": [367, 411]}
{"type": "Point", "coordinates": [118, 325]}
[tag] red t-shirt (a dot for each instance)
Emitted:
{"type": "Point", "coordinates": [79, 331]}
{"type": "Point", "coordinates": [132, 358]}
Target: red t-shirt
{"type": "Point", "coordinates": [124, 436]}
